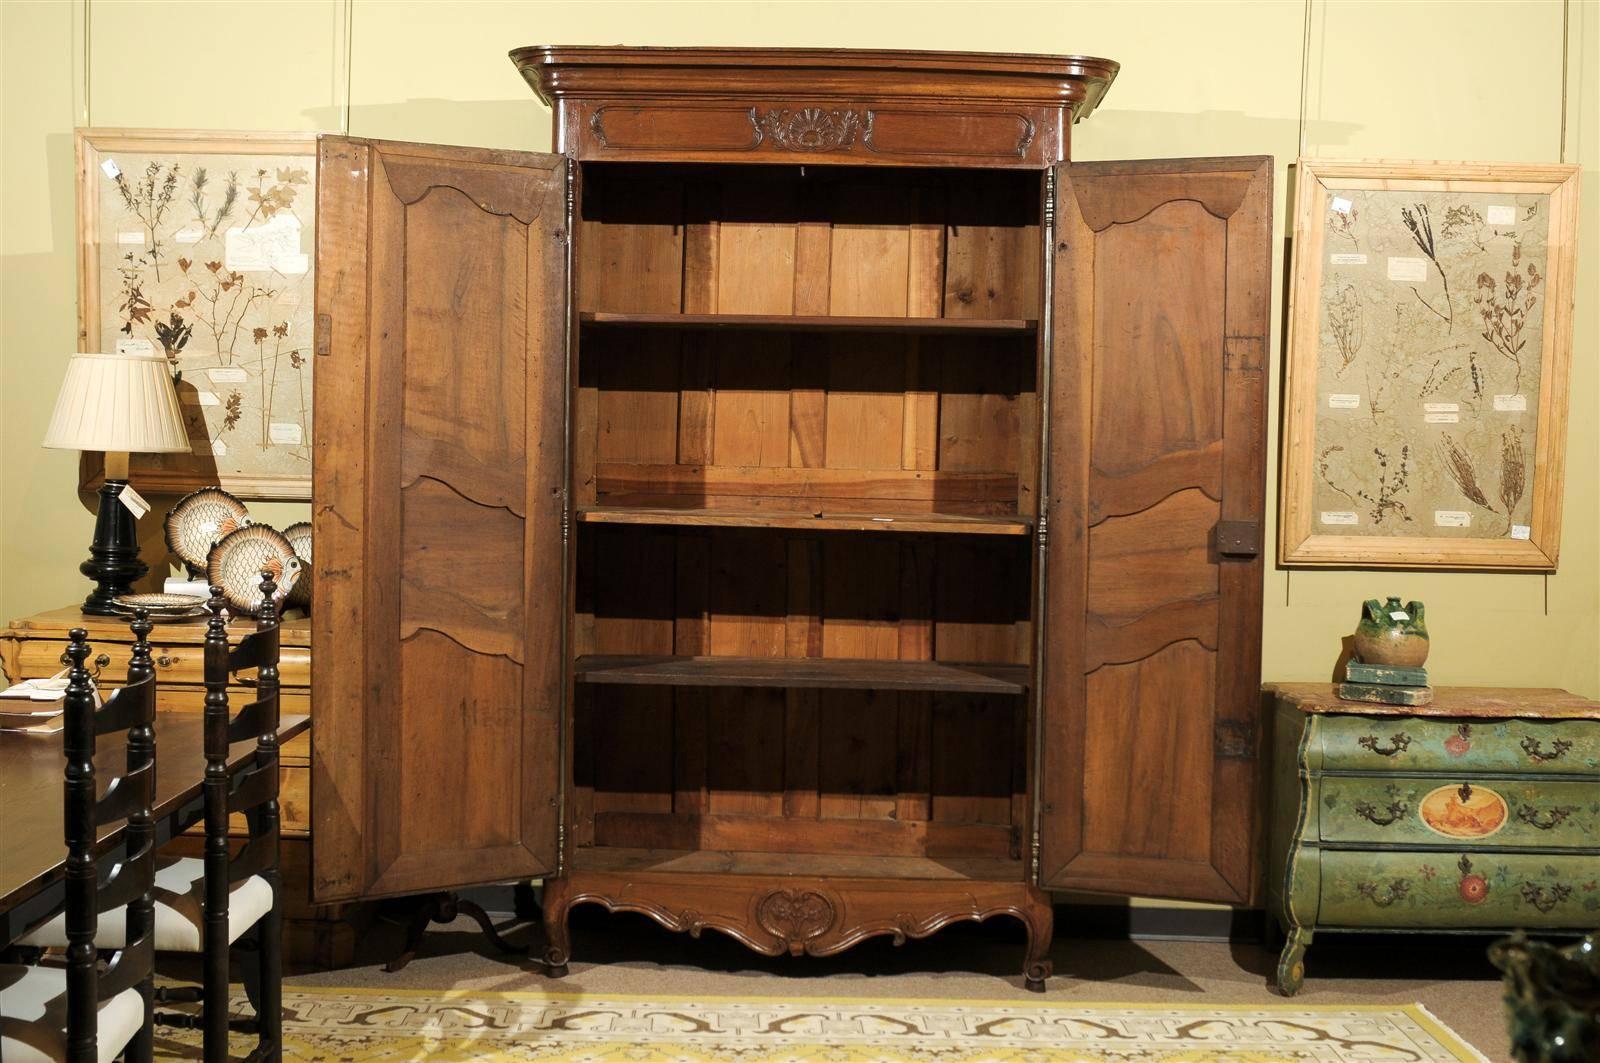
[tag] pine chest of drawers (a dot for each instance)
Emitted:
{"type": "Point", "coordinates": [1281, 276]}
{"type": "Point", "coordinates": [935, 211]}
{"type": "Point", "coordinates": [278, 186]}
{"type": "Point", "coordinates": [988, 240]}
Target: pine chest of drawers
{"type": "Point", "coordinates": [1478, 812]}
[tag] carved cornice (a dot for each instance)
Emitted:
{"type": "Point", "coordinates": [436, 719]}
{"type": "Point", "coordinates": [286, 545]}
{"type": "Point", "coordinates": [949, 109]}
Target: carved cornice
{"type": "Point", "coordinates": [750, 75]}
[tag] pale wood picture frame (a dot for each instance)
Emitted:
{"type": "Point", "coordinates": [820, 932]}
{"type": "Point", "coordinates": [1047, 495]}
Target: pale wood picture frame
{"type": "Point", "coordinates": [225, 150]}
{"type": "Point", "coordinates": [1303, 539]}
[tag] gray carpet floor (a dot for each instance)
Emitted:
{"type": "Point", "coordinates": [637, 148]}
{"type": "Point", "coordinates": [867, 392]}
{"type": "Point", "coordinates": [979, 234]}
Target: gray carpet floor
{"type": "Point", "coordinates": [629, 954]}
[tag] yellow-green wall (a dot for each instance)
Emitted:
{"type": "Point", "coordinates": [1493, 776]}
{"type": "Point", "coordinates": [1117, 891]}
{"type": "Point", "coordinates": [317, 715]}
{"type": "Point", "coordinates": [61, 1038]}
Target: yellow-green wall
{"type": "Point", "coordinates": [1477, 80]}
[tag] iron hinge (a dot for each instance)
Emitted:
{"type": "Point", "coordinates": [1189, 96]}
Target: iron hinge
{"type": "Point", "coordinates": [323, 337]}
{"type": "Point", "coordinates": [1239, 538]}
{"type": "Point", "coordinates": [1235, 740]}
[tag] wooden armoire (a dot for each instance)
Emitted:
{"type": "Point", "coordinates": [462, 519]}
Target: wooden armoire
{"type": "Point", "coordinates": [804, 506]}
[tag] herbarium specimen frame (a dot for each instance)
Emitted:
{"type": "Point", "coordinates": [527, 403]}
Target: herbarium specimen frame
{"type": "Point", "coordinates": [1430, 334]}
{"type": "Point", "coordinates": [198, 245]}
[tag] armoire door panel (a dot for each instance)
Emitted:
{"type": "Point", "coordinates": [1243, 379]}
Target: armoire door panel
{"type": "Point", "coordinates": [439, 497]}
{"type": "Point", "coordinates": [1152, 644]}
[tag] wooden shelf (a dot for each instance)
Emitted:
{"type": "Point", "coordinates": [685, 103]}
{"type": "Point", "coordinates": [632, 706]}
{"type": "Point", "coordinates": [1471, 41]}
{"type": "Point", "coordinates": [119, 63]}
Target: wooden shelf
{"type": "Point", "coordinates": [804, 865]}
{"type": "Point", "coordinates": [905, 523]}
{"type": "Point", "coordinates": [800, 323]}
{"type": "Point", "coordinates": [821, 672]}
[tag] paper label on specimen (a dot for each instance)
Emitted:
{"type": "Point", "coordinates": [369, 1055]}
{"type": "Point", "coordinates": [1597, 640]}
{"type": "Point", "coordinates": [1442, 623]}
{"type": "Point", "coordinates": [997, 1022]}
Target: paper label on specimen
{"type": "Point", "coordinates": [1399, 614]}
{"type": "Point", "coordinates": [135, 346]}
{"type": "Point", "coordinates": [227, 374]}
{"type": "Point", "coordinates": [1407, 269]}
{"type": "Point", "coordinates": [1340, 205]}
{"type": "Point", "coordinates": [1339, 516]}
{"type": "Point", "coordinates": [207, 398]}
{"type": "Point", "coordinates": [1344, 402]}
{"type": "Point", "coordinates": [191, 235]}
{"type": "Point", "coordinates": [1451, 518]}
{"type": "Point", "coordinates": [131, 238]}
{"type": "Point", "coordinates": [1347, 258]}
{"type": "Point", "coordinates": [1511, 403]}
{"type": "Point", "coordinates": [111, 169]}
{"type": "Point", "coordinates": [297, 263]}
{"type": "Point", "coordinates": [285, 434]}
{"type": "Point", "coordinates": [1441, 407]}
{"type": "Point", "coordinates": [1441, 418]}
{"type": "Point", "coordinates": [258, 247]}
{"type": "Point", "coordinates": [133, 501]}
{"type": "Point", "coordinates": [1501, 214]}
{"type": "Point", "coordinates": [1520, 531]}
{"type": "Point", "coordinates": [219, 449]}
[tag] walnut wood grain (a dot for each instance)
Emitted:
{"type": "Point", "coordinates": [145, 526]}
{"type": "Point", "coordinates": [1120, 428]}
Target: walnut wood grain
{"type": "Point", "coordinates": [800, 913]}
{"type": "Point", "coordinates": [903, 326]}
{"type": "Point", "coordinates": [904, 523]}
{"type": "Point", "coordinates": [1153, 636]}
{"type": "Point", "coordinates": [441, 493]}
{"type": "Point", "coordinates": [804, 672]}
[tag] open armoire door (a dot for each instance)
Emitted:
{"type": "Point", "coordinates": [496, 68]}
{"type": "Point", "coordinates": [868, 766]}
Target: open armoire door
{"type": "Point", "coordinates": [440, 485]}
{"type": "Point", "coordinates": [1152, 645]}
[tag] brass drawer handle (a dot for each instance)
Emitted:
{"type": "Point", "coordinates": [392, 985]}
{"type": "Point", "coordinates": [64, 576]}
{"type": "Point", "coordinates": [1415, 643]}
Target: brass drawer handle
{"type": "Point", "coordinates": [1544, 898]}
{"type": "Point", "coordinates": [1535, 748]}
{"type": "Point", "coordinates": [1396, 810]}
{"type": "Point", "coordinates": [1391, 893]}
{"type": "Point", "coordinates": [1398, 743]}
{"type": "Point", "coordinates": [1551, 819]}
{"type": "Point", "coordinates": [166, 661]}
{"type": "Point", "coordinates": [101, 661]}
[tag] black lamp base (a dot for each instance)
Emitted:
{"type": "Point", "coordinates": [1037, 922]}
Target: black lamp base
{"type": "Point", "coordinates": [114, 555]}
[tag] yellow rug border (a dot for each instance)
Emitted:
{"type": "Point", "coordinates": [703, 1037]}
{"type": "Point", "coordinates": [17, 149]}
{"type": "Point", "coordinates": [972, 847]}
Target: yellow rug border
{"type": "Point", "coordinates": [1415, 1010]}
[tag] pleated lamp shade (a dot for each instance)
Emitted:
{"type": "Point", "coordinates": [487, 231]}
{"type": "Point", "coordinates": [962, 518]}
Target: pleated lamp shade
{"type": "Point", "coordinates": [118, 402]}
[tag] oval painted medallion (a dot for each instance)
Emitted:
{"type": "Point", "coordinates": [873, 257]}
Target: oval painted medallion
{"type": "Point", "coordinates": [1463, 811]}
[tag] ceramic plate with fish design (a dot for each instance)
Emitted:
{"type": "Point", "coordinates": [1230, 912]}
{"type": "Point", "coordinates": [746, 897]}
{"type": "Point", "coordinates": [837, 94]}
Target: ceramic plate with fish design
{"type": "Point", "coordinates": [299, 536]}
{"type": "Point", "coordinates": [162, 607]}
{"type": "Point", "coordinates": [236, 564]}
{"type": "Point", "coordinates": [199, 521]}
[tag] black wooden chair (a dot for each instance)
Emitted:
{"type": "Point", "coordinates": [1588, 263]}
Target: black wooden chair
{"type": "Point", "coordinates": [208, 905]}
{"type": "Point", "coordinates": [87, 1013]}
{"type": "Point", "coordinates": [242, 890]}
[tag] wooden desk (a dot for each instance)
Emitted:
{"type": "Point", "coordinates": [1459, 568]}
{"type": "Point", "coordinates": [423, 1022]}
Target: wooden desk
{"type": "Point", "coordinates": [32, 853]}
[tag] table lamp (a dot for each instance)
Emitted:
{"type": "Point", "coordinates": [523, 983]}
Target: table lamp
{"type": "Point", "coordinates": [116, 403]}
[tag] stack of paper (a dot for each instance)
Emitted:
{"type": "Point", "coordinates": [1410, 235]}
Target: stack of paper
{"type": "Point", "coordinates": [34, 706]}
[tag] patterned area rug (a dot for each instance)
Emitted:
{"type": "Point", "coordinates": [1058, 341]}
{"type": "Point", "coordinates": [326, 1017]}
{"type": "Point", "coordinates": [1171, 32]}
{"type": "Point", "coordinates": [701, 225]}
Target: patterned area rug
{"type": "Point", "coordinates": [364, 1025]}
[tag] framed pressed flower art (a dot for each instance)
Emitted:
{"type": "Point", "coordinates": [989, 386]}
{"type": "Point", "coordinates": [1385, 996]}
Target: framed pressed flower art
{"type": "Point", "coordinates": [198, 246]}
{"type": "Point", "coordinates": [1430, 333]}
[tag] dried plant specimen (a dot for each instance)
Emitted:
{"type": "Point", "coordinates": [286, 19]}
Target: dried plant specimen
{"type": "Point", "coordinates": [1420, 225]}
{"type": "Point", "coordinates": [1463, 222]}
{"type": "Point", "coordinates": [1345, 322]}
{"type": "Point", "coordinates": [1325, 464]}
{"type": "Point", "coordinates": [134, 308]}
{"type": "Point", "coordinates": [1458, 463]}
{"type": "Point", "coordinates": [233, 409]}
{"type": "Point", "coordinates": [174, 336]}
{"type": "Point", "coordinates": [148, 200]}
{"type": "Point", "coordinates": [1343, 223]}
{"type": "Point", "coordinates": [273, 196]}
{"type": "Point", "coordinates": [1392, 483]}
{"type": "Point", "coordinates": [1513, 471]}
{"type": "Point", "coordinates": [197, 197]}
{"type": "Point", "coordinates": [1505, 310]}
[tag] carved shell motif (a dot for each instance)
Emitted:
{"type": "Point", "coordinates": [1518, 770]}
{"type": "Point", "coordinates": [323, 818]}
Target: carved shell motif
{"type": "Point", "coordinates": [795, 916]}
{"type": "Point", "coordinates": [810, 128]}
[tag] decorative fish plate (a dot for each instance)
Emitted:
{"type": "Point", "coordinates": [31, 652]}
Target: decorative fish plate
{"type": "Point", "coordinates": [199, 521]}
{"type": "Point", "coordinates": [236, 564]}
{"type": "Point", "coordinates": [299, 536]}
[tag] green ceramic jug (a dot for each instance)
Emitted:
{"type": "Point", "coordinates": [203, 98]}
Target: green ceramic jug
{"type": "Point", "coordinates": [1391, 633]}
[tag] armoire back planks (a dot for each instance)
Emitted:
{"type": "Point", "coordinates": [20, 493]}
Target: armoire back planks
{"type": "Point", "coordinates": [843, 421]}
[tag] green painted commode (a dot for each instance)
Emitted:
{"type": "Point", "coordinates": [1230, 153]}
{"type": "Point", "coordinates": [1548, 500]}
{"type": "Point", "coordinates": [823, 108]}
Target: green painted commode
{"type": "Point", "coordinates": [1478, 812]}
